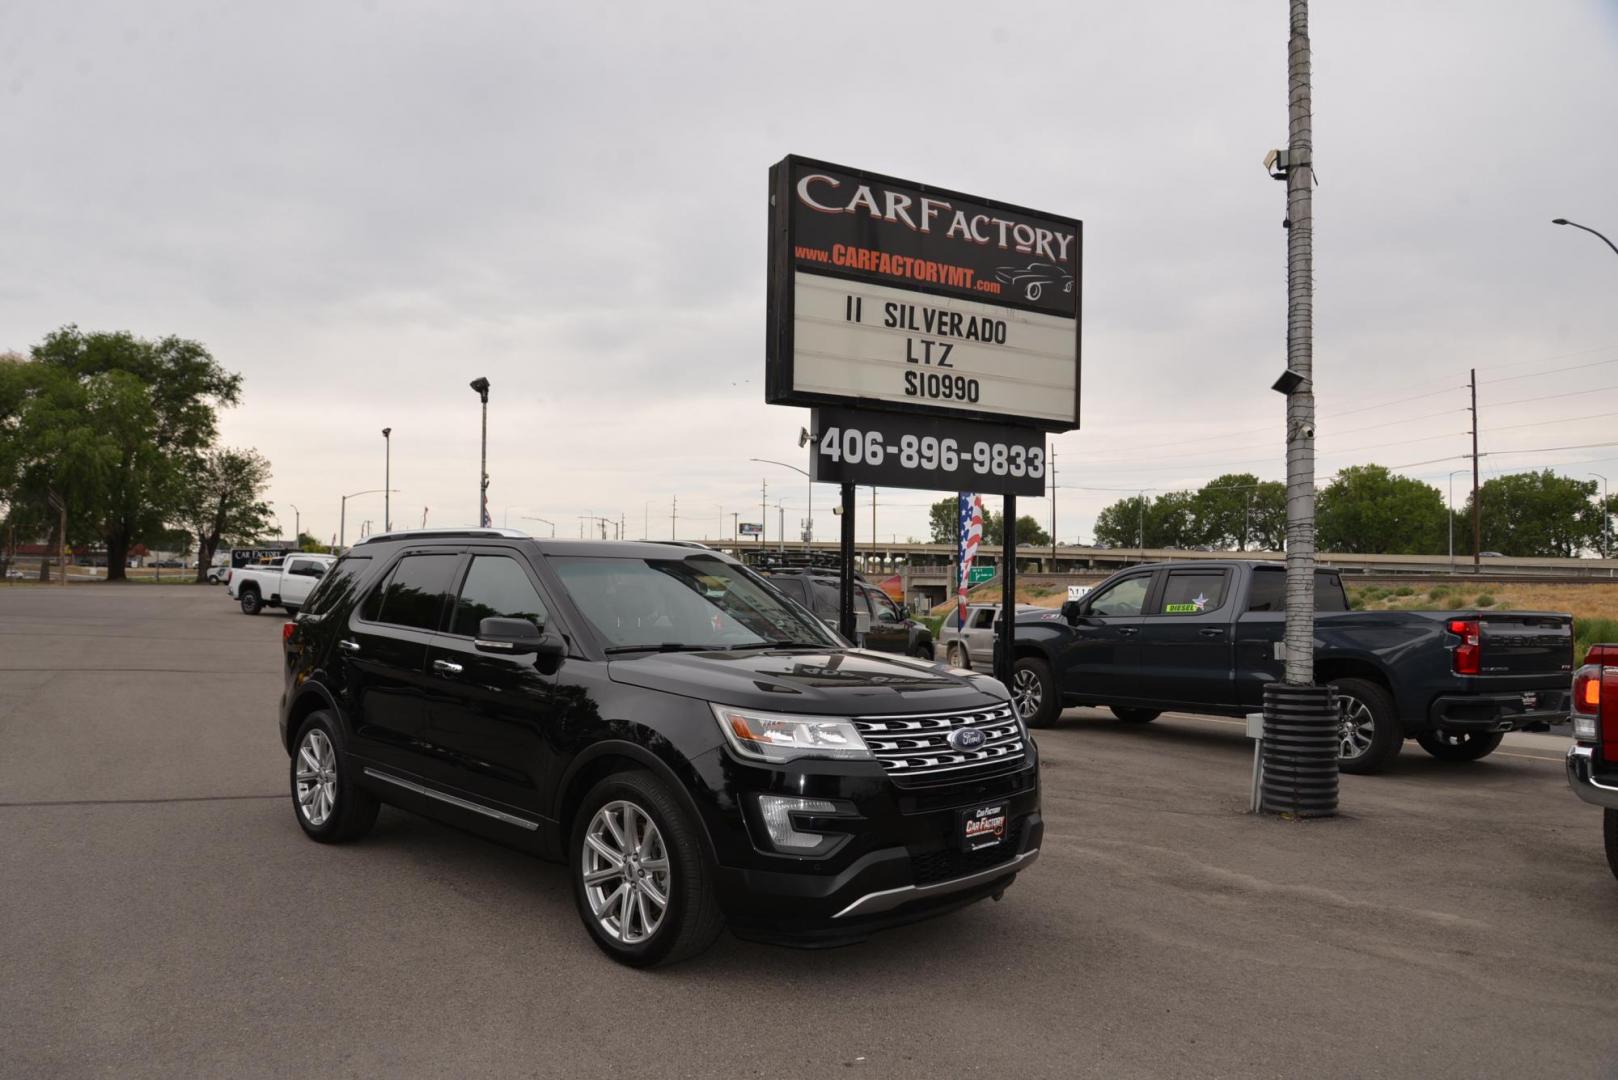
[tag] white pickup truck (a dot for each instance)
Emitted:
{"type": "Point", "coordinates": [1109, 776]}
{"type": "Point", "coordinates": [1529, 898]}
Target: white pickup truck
{"type": "Point", "coordinates": [286, 585]}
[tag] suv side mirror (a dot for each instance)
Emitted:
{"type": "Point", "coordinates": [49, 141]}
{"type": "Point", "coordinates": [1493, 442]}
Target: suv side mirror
{"type": "Point", "coordinates": [1072, 611]}
{"type": "Point", "coordinates": [904, 612]}
{"type": "Point", "coordinates": [515, 637]}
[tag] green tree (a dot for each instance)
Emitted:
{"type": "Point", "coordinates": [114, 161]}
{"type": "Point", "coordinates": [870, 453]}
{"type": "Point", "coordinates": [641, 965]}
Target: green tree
{"type": "Point", "coordinates": [222, 501]}
{"type": "Point", "coordinates": [1238, 511]}
{"type": "Point", "coordinates": [1369, 510]}
{"type": "Point", "coordinates": [1167, 521]}
{"type": "Point", "coordinates": [1029, 531]}
{"type": "Point", "coordinates": [137, 414]}
{"type": "Point", "coordinates": [1123, 523]}
{"type": "Point", "coordinates": [943, 518]}
{"type": "Point", "coordinates": [1536, 514]}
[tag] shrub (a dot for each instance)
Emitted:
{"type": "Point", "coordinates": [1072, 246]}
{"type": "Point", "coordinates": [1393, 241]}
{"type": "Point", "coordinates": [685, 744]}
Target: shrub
{"type": "Point", "coordinates": [1404, 590]}
{"type": "Point", "coordinates": [1485, 600]}
{"type": "Point", "coordinates": [1588, 632]}
{"type": "Point", "coordinates": [1437, 594]}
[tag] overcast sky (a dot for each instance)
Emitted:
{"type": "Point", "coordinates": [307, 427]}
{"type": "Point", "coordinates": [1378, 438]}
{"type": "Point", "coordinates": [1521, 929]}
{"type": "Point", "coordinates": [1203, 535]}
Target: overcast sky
{"type": "Point", "coordinates": [362, 206]}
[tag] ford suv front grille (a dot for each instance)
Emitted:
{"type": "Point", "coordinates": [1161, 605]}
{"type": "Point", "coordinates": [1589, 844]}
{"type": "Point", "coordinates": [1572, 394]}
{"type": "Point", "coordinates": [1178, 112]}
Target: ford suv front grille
{"type": "Point", "coordinates": [930, 745]}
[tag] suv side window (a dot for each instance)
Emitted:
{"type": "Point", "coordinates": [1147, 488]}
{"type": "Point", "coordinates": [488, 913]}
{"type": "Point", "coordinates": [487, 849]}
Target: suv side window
{"type": "Point", "coordinates": [823, 598]}
{"type": "Point", "coordinates": [1193, 592]}
{"type": "Point", "coordinates": [983, 618]}
{"type": "Point", "coordinates": [306, 568]}
{"type": "Point", "coordinates": [337, 585]}
{"type": "Point", "coordinates": [414, 593]}
{"type": "Point", "coordinates": [495, 588]}
{"type": "Point", "coordinates": [1126, 597]}
{"type": "Point", "coordinates": [882, 606]}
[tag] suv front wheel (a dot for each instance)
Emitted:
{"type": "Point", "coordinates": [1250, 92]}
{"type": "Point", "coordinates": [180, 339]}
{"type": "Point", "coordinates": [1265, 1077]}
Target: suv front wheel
{"type": "Point", "coordinates": [640, 879]}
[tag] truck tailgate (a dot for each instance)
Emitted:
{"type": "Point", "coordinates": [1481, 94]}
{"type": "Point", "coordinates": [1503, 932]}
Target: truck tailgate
{"type": "Point", "coordinates": [1525, 642]}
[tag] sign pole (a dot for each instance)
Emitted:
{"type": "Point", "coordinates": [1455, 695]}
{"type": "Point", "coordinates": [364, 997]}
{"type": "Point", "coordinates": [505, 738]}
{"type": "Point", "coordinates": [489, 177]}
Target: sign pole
{"type": "Point", "coordinates": [845, 567]}
{"type": "Point", "coordinates": [1006, 639]}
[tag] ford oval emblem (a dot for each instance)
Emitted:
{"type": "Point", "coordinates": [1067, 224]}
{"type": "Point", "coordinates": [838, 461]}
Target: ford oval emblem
{"type": "Point", "coordinates": [966, 738]}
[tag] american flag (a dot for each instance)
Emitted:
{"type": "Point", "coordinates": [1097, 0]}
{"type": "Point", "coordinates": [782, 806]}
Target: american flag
{"type": "Point", "coordinates": [971, 533]}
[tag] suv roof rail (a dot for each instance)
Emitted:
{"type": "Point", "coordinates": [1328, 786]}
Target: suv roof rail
{"type": "Point", "coordinates": [443, 534]}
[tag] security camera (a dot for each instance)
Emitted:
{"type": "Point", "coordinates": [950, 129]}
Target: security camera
{"type": "Point", "coordinates": [804, 436]}
{"type": "Point", "coordinates": [1306, 431]}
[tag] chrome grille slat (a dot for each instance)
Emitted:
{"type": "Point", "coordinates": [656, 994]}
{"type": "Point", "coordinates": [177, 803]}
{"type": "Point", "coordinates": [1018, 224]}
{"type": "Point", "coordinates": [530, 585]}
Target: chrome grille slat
{"type": "Point", "coordinates": [918, 745]}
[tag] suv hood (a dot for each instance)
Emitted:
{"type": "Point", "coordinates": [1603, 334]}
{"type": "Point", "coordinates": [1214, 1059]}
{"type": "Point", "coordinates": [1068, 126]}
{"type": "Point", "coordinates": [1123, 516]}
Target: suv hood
{"type": "Point", "coordinates": [839, 682]}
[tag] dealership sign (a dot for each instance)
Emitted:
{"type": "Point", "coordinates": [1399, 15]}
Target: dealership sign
{"type": "Point", "coordinates": [886, 294]}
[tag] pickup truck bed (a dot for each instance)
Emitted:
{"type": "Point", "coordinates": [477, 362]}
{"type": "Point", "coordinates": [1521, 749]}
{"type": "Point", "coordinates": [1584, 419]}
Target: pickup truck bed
{"type": "Point", "coordinates": [1205, 637]}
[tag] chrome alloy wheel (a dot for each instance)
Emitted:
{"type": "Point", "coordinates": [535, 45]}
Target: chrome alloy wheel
{"type": "Point", "coordinates": [626, 872]}
{"type": "Point", "coordinates": [317, 777]}
{"type": "Point", "coordinates": [1026, 693]}
{"type": "Point", "coordinates": [1356, 726]}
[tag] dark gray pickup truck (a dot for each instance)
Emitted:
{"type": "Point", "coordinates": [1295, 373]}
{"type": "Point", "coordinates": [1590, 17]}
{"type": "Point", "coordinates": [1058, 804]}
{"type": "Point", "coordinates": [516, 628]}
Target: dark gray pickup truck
{"type": "Point", "coordinates": [1204, 637]}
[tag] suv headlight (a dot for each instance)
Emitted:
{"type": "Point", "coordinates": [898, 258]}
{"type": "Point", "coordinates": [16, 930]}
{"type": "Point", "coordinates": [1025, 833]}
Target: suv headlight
{"type": "Point", "coordinates": [778, 737]}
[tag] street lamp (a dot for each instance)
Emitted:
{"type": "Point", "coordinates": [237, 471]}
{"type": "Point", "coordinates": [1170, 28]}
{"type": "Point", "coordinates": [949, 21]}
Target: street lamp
{"type": "Point", "coordinates": [1606, 519]}
{"type": "Point", "coordinates": [1586, 228]}
{"type": "Point", "coordinates": [544, 521]}
{"type": "Point", "coordinates": [1451, 516]}
{"type": "Point", "coordinates": [805, 474]}
{"type": "Point", "coordinates": [481, 385]}
{"type": "Point", "coordinates": [297, 524]}
{"type": "Point", "coordinates": [342, 516]}
{"type": "Point", "coordinates": [387, 478]}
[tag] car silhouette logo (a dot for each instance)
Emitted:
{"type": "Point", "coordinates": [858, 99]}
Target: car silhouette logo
{"type": "Point", "coordinates": [966, 739]}
{"type": "Point", "coordinates": [1035, 278]}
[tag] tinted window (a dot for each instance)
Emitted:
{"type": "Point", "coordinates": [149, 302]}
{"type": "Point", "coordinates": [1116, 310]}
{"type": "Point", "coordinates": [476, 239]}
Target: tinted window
{"type": "Point", "coordinates": [1193, 592]}
{"type": "Point", "coordinates": [882, 606]}
{"type": "Point", "coordinates": [983, 618]}
{"type": "Point", "coordinates": [306, 568]}
{"type": "Point", "coordinates": [414, 594]}
{"type": "Point", "coordinates": [495, 588]}
{"type": "Point", "coordinates": [336, 587]}
{"type": "Point", "coordinates": [824, 600]}
{"type": "Point", "coordinates": [1127, 597]}
{"type": "Point", "coordinates": [1269, 591]}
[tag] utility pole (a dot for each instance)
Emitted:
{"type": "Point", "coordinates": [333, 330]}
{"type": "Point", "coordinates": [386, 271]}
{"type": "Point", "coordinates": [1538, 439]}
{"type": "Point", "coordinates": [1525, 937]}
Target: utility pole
{"type": "Point", "coordinates": [763, 511]}
{"type": "Point", "coordinates": [736, 529]}
{"type": "Point", "coordinates": [481, 385]}
{"type": "Point", "coordinates": [1050, 455]}
{"type": "Point", "coordinates": [674, 516]}
{"type": "Point", "coordinates": [1477, 502]}
{"type": "Point", "coordinates": [387, 482]}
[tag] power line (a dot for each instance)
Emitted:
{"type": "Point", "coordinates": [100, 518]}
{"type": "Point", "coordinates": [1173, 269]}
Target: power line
{"type": "Point", "coordinates": [1552, 371]}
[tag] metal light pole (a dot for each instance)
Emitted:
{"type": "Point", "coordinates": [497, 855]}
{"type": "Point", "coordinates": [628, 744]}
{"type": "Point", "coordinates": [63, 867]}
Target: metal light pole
{"type": "Point", "coordinates": [387, 479]}
{"type": "Point", "coordinates": [544, 521]}
{"type": "Point", "coordinates": [811, 486]}
{"type": "Point", "coordinates": [297, 524]}
{"type": "Point", "coordinates": [481, 385]}
{"type": "Point", "coordinates": [1586, 228]}
{"type": "Point", "coordinates": [342, 517]}
{"type": "Point", "coordinates": [1606, 519]}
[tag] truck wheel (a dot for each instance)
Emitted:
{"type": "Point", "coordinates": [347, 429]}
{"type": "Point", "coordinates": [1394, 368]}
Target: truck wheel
{"type": "Point", "coordinates": [922, 651]}
{"type": "Point", "coordinates": [1034, 693]}
{"type": "Point", "coordinates": [641, 881]}
{"type": "Point", "coordinates": [1459, 745]}
{"type": "Point", "coordinates": [1609, 827]}
{"type": "Point", "coordinates": [958, 656]}
{"type": "Point", "coordinates": [1368, 730]}
{"type": "Point", "coordinates": [251, 603]}
{"type": "Point", "coordinates": [1134, 716]}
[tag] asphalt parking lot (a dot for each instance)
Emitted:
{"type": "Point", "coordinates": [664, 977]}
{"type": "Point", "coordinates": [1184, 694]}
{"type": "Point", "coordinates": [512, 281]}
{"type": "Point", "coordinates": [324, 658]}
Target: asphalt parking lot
{"type": "Point", "coordinates": [162, 914]}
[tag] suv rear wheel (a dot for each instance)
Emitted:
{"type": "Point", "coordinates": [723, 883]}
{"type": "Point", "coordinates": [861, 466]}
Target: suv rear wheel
{"type": "Point", "coordinates": [1134, 716]}
{"type": "Point", "coordinates": [1460, 745]}
{"type": "Point", "coordinates": [329, 806]}
{"type": "Point", "coordinates": [640, 879]}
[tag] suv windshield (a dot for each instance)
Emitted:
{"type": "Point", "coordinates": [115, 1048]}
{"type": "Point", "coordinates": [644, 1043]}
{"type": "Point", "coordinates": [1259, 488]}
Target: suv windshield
{"type": "Point", "coordinates": [697, 602]}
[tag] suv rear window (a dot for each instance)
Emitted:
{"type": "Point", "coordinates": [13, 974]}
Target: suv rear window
{"type": "Point", "coordinates": [414, 593]}
{"type": "Point", "coordinates": [338, 584]}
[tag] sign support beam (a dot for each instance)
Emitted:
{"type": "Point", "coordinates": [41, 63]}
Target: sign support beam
{"type": "Point", "coordinates": [845, 569]}
{"type": "Point", "coordinates": [1005, 640]}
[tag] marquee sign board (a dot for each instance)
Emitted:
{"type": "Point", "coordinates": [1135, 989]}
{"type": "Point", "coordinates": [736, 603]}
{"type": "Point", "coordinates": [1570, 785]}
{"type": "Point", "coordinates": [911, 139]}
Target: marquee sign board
{"type": "Point", "coordinates": [909, 298]}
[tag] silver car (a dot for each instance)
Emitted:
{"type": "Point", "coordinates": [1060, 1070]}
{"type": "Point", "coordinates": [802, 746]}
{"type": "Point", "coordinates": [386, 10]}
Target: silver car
{"type": "Point", "coordinates": [972, 646]}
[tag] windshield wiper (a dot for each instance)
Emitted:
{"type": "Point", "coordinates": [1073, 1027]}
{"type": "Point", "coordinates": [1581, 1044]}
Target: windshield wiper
{"type": "Point", "coordinates": [784, 643]}
{"type": "Point", "coordinates": [667, 646]}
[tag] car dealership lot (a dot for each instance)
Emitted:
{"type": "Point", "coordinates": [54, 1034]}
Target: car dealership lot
{"type": "Point", "coordinates": [163, 915]}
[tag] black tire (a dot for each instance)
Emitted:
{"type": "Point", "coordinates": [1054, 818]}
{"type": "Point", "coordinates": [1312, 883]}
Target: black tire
{"type": "Point", "coordinates": [1460, 746]}
{"type": "Point", "coordinates": [922, 651]}
{"type": "Point", "coordinates": [251, 602]}
{"type": "Point", "coordinates": [959, 657]}
{"type": "Point", "coordinates": [1134, 716]}
{"type": "Point", "coordinates": [1363, 703]}
{"type": "Point", "coordinates": [1609, 830]}
{"type": "Point", "coordinates": [691, 920]}
{"type": "Point", "coordinates": [292, 612]}
{"type": "Point", "coordinates": [351, 811]}
{"type": "Point", "coordinates": [1033, 685]}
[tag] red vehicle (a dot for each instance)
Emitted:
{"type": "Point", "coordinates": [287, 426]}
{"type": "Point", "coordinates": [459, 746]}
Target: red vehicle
{"type": "Point", "coordinates": [1592, 760]}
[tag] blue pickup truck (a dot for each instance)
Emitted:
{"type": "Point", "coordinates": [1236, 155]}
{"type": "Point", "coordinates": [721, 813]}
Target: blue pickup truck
{"type": "Point", "coordinates": [1204, 637]}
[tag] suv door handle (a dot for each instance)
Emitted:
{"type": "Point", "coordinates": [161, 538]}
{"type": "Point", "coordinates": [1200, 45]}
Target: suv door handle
{"type": "Point", "coordinates": [448, 667]}
{"type": "Point", "coordinates": [348, 646]}
{"type": "Point", "coordinates": [1129, 631]}
{"type": "Point", "coordinates": [1212, 631]}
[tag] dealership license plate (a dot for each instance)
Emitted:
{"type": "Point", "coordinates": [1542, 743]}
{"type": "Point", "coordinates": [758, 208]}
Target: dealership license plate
{"type": "Point", "coordinates": [983, 827]}
{"type": "Point", "coordinates": [1530, 701]}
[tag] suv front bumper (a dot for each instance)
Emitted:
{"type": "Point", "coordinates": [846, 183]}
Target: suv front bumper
{"type": "Point", "coordinates": [1581, 778]}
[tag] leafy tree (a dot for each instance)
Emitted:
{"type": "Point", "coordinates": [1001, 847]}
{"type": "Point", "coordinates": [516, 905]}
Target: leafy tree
{"type": "Point", "coordinates": [131, 415]}
{"type": "Point", "coordinates": [1536, 514]}
{"type": "Point", "coordinates": [1165, 522]}
{"type": "Point", "coordinates": [221, 501]}
{"type": "Point", "coordinates": [1369, 510]}
{"type": "Point", "coordinates": [1238, 511]}
{"type": "Point", "coordinates": [319, 547]}
{"type": "Point", "coordinates": [1123, 523]}
{"type": "Point", "coordinates": [1267, 527]}
{"type": "Point", "coordinates": [943, 518]}
{"type": "Point", "coordinates": [1029, 531]}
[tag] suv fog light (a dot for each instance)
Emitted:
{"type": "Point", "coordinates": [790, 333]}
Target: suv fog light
{"type": "Point", "coordinates": [1584, 728]}
{"type": "Point", "coordinates": [776, 810]}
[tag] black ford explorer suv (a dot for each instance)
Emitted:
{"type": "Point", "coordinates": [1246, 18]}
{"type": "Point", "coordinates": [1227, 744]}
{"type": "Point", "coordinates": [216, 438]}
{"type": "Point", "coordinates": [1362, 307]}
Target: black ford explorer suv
{"type": "Point", "coordinates": [696, 749]}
